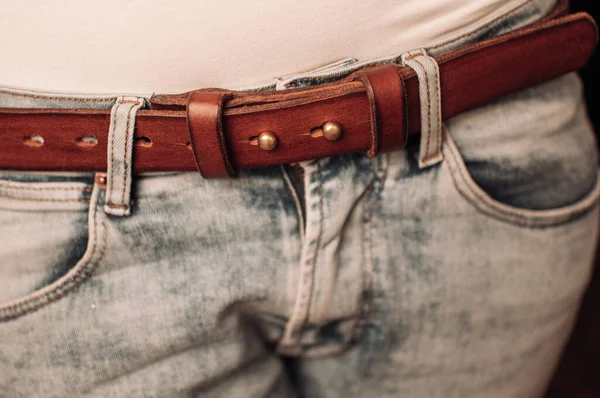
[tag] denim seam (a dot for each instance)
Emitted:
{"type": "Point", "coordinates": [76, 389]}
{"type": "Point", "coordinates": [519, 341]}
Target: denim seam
{"type": "Point", "coordinates": [485, 28]}
{"type": "Point", "coordinates": [58, 98]}
{"type": "Point", "coordinates": [336, 75]}
{"type": "Point", "coordinates": [125, 163]}
{"type": "Point", "coordinates": [565, 214]}
{"type": "Point", "coordinates": [293, 331]}
{"type": "Point", "coordinates": [45, 200]}
{"type": "Point", "coordinates": [9, 187]}
{"type": "Point", "coordinates": [364, 299]}
{"type": "Point", "coordinates": [366, 303]}
{"type": "Point", "coordinates": [428, 106]}
{"type": "Point", "coordinates": [381, 171]}
{"type": "Point", "coordinates": [65, 285]}
{"type": "Point", "coordinates": [296, 198]}
{"type": "Point", "coordinates": [480, 200]}
{"type": "Point", "coordinates": [10, 191]}
{"type": "Point", "coordinates": [112, 146]}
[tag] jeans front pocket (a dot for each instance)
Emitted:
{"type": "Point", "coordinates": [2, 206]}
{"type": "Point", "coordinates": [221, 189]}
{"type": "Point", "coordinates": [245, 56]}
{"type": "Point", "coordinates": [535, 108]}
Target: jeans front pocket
{"type": "Point", "coordinates": [529, 159]}
{"type": "Point", "coordinates": [52, 237]}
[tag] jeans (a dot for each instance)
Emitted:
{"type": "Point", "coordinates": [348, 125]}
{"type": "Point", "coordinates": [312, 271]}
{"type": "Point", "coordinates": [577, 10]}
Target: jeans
{"type": "Point", "coordinates": [345, 276]}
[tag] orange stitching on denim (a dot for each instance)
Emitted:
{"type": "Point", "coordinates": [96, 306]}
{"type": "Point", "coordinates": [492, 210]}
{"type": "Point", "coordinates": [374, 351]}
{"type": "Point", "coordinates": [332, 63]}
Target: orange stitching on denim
{"type": "Point", "coordinates": [414, 55]}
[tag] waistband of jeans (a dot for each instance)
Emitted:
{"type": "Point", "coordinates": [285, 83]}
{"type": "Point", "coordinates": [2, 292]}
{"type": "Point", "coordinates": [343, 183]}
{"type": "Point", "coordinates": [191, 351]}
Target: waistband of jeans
{"type": "Point", "coordinates": [522, 15]}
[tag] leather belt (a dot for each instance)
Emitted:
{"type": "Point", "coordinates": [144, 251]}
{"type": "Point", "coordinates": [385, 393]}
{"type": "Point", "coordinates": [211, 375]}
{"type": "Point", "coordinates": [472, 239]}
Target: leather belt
{"type": "Point", "coordinates": [376, 108]}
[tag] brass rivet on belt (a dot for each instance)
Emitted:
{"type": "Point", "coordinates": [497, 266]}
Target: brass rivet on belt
{"type": "Point", "coordinates": [267, 140]}
{"type": "Point", "coordinates": [332, 130]}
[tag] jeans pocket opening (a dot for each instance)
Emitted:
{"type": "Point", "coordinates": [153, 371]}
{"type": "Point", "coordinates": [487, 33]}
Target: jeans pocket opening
{"type": "Point", "coordinates": [61, 197]}
{"type": "Point", "coordinates": [468, 188]}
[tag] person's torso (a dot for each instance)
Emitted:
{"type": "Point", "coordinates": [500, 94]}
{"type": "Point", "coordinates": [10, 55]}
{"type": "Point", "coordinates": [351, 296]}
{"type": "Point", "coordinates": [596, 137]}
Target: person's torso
{"type": "Point", "coordinates": [156, 46]}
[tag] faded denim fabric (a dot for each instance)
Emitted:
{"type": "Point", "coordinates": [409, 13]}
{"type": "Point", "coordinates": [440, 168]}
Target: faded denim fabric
{"type": "Point", "coordinates": [341, 277]}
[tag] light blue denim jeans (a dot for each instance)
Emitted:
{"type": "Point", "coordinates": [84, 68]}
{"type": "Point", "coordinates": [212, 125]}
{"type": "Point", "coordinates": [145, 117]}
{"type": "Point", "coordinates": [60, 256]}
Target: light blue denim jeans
{"type": "Point", "coordinates": [347, 276]}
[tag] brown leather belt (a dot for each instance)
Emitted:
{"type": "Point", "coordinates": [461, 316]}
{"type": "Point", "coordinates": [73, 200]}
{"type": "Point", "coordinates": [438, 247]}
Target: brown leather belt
{"type": "Point", "coordinates": [376, 107]}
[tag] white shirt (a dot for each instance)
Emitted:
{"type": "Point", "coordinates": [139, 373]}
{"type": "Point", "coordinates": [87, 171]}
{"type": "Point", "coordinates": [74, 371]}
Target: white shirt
{"type": "Point", "coordinates": [145, 46]}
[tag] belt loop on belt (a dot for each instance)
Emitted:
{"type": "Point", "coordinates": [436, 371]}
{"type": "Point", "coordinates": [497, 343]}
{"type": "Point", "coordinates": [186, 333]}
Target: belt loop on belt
{"type": "Point", "coordinates": [387, 104]}
{"type": "Point", "coordinates": [428, 73]}
{"type": "Point", "coordinates": [120, 155]}
{"type": "Point", "coordinates": [207, 139]}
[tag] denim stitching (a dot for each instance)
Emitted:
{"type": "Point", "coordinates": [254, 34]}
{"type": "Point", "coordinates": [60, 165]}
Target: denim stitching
{"type": "Point", "coordinates": [130, 102]}
{"type": "Point", "coordinates": [368, 306]}
{"type": "Point", "coordinates": [8, 185]}
{"type": "Point", "coordinates": [485, 28]}
{"type": "Point", "coordinates": [482, 200]}
{"type": "Point", "coordinates": [375, 285]}
{"type": "Point", "coordinates": [53, 97]}
{"type": "Point", "coordinates": [125, 163]}
{"type": "Point", "coordinates": [365, 301]}
{"type": "Point", "coordinates": [46, 200]}
{"type": "Point", "coordinates": [112, 187]}
{"type": "Point", "coordinates": [509, 216]}
{"type": "Point", "coordinates": [293, 329]}
{"type": "Point", "coordinates": [112, 148]}
{"type": "Point", "coordinates": [39, 301]}
{"type": "Point", "coordinates": [424, 70]}
{"type": "Point", "coordinates": [297, 205]}
{"type": "Point", "coordinates": [82, 273]}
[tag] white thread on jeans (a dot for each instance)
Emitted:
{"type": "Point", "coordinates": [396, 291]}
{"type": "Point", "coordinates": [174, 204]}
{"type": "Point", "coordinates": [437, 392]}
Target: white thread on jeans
{"type": "Point", "coordinates": [289, 343]}
{"type": "Point", "coordinates": [96, 249]}
{"type": "Point", "coordinates": [482, 202]}
{"type": "Point", "coordinates": [120, 154]}
{"type": "Point", "coordinates": [428, 73]}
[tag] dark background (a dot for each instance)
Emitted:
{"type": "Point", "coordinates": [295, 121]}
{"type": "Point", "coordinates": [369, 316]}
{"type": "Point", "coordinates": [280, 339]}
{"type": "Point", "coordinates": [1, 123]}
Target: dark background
{"type": "Point", "coordinates": [578, 375]}
{"type": "Point", "coordinates": [591, 87]}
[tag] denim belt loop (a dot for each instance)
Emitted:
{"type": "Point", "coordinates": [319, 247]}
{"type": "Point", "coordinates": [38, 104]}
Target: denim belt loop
{"type": "Point", "coordinates": [428, 73]}
{"type": "Point", "coordinates": [120, 154]}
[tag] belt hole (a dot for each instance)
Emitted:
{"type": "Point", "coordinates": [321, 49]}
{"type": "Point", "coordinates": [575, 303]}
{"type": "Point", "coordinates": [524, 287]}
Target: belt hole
{"type": "Point", "coordinates": [87, 141]}
{"type": "Point", "coordinates": [33, 140]}
{"type": "Point", "coordinates": [316, 132]}
{"type": "Point", "coordinates": [143, 141]}
{"type": "Point", "coordinates": [253, 140]}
